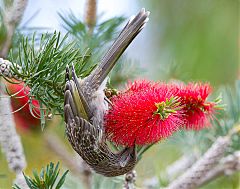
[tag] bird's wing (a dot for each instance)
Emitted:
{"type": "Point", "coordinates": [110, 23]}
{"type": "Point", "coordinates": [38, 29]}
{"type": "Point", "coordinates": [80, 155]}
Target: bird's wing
{"type": "Point", "coordinates": [78, 129]}
{"type": "Point", "coordinates": [129, 32]}
{"type": "Point", "coordinates": [77, 100]}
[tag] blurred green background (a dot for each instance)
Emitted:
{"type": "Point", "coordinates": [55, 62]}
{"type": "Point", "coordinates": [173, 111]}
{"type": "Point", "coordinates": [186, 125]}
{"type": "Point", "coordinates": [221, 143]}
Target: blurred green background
{"type": "Point", "coordinates": [201, 37]}
{"type": "Point", "coordinates": [184, 39]}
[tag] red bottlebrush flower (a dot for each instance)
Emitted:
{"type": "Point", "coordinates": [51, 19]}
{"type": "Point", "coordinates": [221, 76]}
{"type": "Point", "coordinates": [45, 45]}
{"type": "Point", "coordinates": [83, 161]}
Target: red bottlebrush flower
{"type": "Point", "coordinates": [198, 112]}
{"type": "Point", "coordinates": [144, 114]}
{"type": "Point", "coordinates": [20, 103]}
{"type": "Point", "coordinates": [140, 85]}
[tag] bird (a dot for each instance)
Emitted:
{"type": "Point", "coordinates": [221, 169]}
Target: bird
{"type": "Point", "coordinates": [85, 104]}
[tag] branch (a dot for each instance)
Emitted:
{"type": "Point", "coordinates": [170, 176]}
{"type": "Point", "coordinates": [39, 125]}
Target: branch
{"type": "Point", "coordinates": [20, 181]}
{"type": "Point", "coordinates": [179, 166]}
{"type": "Point", "coordinates": [173, 170]}
{"type": "Point", "coordinates": [227, 166]}
{"type": "Point", "coordinates": [12, 17]}
{"type": "Point", "coordinates": [151, 183]}
{"type": "Point", "coordinates": [10, 141]}
{"type": "Point", "coordinates": [191, 177]}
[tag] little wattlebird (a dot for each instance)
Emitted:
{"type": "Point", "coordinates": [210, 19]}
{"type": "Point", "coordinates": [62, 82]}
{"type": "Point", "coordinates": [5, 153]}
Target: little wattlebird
{"type": "Point", "coordinates": [85, 105]}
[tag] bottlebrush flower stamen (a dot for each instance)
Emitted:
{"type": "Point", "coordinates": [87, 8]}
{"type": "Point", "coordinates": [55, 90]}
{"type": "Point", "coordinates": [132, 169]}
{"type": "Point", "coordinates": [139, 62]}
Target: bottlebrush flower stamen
{"type": "Point", "coordinates": [166, 108]}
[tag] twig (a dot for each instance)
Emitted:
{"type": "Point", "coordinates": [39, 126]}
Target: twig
{"type": "Point", "coordinates": [11, 18]}
{"type": "Point", "coordinates": [77, 165]}
{"type": "Point", "coordinates": [130, 179]}
{"type": "Point", "coordinates": [90, 14]}
{"type": "Point", "coordinates": [5, 69]}
{"type": "Point", "coordinates": [191, 177]}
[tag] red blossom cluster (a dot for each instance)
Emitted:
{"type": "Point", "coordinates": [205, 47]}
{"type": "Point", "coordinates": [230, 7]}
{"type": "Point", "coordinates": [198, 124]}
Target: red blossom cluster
{"type": "Point", "coordinates": [198, 111]}
{"type": "Point", "coordinates": [147, 112]}
{"type": "Point", "coordinates": [23, 114]}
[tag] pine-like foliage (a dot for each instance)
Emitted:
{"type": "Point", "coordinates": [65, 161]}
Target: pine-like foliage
{"type": "Point", "coordinates": [43, 66]}
{"type": "Point", "coordinates": [96, 40]}
{"type": "Point", "coordinates": [43, 59]}
{"type": "Point", "coordinates": [231, 118]}
{"type": "Point", "coordinates": [48, 178]}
